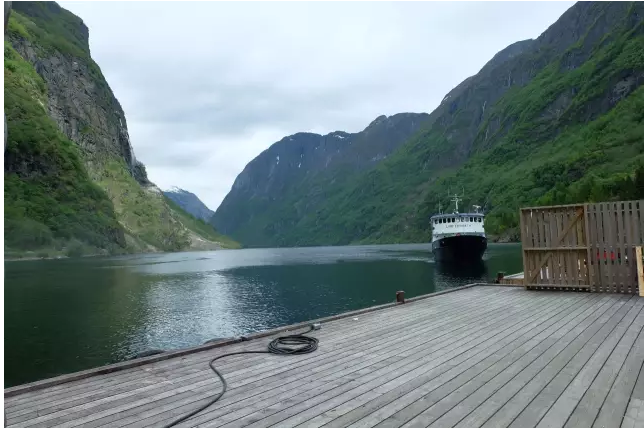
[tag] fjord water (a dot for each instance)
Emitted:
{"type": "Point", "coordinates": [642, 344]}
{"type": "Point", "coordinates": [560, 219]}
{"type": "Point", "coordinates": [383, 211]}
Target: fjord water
{"type": "Point", "coordinates": [68, 315]}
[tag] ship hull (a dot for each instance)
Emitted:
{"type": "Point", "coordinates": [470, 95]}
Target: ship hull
{"type": "Point", "coordinates": [459, 248]}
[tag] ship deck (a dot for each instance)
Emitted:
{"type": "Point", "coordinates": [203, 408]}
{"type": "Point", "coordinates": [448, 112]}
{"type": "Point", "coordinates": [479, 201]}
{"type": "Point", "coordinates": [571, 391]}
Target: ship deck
{"type": "Point", "coordinates": [488, 355]}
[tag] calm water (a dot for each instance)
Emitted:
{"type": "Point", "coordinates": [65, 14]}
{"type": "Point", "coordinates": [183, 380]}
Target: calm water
{"type": "Point", "coordinates": [68, 315]}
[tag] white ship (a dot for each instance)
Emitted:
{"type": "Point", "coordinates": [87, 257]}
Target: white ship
{"type": "Point", "coordinates": [458, 236]}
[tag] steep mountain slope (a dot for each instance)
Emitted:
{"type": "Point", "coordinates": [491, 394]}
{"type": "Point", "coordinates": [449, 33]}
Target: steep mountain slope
{"type": "Point", "coordinates": [293, 178]}
{"type": "Point", "coordinates": [68, 134]}
{"type": "Point", "coordinates": [190, 203]}
{"type": "Point", "coordinates": [50, 201]}
{"type": "Point", "coordinates": [548, 121]}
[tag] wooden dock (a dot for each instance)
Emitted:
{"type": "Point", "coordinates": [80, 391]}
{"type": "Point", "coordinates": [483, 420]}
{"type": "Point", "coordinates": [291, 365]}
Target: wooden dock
{"type": "Point", "coordinates": [493, 356]}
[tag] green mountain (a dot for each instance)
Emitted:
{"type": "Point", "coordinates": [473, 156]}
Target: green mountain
{"type": "Point", "coordinates": [72, 182]}
{"type": "Point", "coordinates": [297, 175]}
{"type": "Point", "coordinates": [548, 121]}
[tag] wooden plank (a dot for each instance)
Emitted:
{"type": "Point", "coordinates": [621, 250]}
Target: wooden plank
{"type": "Point", "coordinates": [525, 238]}
{"type": "Point", "coordinates": [387, 390]}
{"type": "Point", "coordinates": [559, 408]}
{"type": "Point", "coordinates": [283, 413]}
{"type": "Point", "coordinates": [520, 408]}
{"type": "Point", "coordinates": [386, 412]}
{"type": "Point", "coordinates": [483, 358]}
{"type": "Point", "coordinates": [601, 250]}
{"type": "Point", "coordinates": [612, 411]}
{"type": "Point", "coordinates": [564, 260]}
{"type": "Point", "coordinates": [592, 236]}
{"type": "Point", "coordinates": [584, 414]}
{"type": "Point", "coordinates": [609, 392]}
{"type": "Point", "coordinates": [609, 233]}
{"type": "Point", "coordinates": [637, 221]}
{"type": "Point", "coordinates": [489, 398]}
{"type": "Point", "coordinates": [542, 229]}
{"type": "Point", "coordinates": [432, 405]}
{"type": "Point", "coordinates": [348, 405]}
{"type": "Point", "coordinates": [590, 276]}
{"type": "Point", "coordinates": [622, 279]}
{"type": "Point", "coordinates": [629, 251]}
{"type": "Point", "coordinates": [632, 417]}
{"type": "Point", "coordinates": [559, 270]}
{"type": "Point", "coordinates": [505, 405]}
{"type": "Point", "coordinates": [453, 408]}
{"type": "Point", "coordinates": [640, 270]}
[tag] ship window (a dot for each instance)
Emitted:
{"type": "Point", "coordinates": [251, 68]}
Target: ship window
{"type": "Point", "coordinates": [452, 219]}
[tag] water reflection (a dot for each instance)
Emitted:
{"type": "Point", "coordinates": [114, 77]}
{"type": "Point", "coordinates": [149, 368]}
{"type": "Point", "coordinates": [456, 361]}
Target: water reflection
{"type": "Point", "coordinates": [64, 316]}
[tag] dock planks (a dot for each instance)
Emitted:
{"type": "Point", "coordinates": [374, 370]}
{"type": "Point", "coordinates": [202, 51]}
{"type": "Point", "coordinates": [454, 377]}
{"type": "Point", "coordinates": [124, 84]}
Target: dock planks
{"type": "Point", "coordinates": [486, 356]}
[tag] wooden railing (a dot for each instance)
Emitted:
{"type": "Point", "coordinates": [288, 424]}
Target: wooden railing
{"type": "Point", "coordinates": [589, 247]}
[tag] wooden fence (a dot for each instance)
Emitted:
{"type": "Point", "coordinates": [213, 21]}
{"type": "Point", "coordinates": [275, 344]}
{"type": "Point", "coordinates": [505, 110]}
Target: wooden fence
{"type": "Point", "coordinates": [590, 247]}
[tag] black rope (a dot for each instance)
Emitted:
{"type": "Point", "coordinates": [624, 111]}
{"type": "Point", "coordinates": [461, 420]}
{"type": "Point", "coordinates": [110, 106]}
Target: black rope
{"type": "Point", "coordinates": [297, 344]}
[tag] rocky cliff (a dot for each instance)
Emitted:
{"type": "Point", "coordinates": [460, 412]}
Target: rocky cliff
{"type": "Point", "coordinates": [557, 119]}
{"type": "Point", "coordinates": [67, 135]}
{"type": "Point", "coordinates": [281, 186]}
{"type": "Point", "coordinates": [80, 100]}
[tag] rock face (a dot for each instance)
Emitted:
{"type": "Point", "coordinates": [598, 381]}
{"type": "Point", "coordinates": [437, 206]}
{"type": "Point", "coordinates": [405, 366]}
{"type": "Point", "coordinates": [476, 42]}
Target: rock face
{"type": "Point", "coordinates": [72, 181]}
{"type": "Point", "coordinates": [80, 100]}
{"type": "Point", "coordinates": [278, 180]}
{"type": "Point", "coordinates": [542, 122]}
{"type": "Point", "coordinates": [190, 203]}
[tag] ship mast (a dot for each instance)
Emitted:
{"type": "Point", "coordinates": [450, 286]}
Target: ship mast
{"type": "Point", "coordinates": [456, 199]}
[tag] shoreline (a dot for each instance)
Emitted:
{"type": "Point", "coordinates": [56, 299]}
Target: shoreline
{"type": "Point", "coordinates": [60, 257]}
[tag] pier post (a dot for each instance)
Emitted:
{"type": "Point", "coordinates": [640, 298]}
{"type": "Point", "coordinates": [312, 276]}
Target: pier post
{"type": "Point", "coordinates": [400, 297]}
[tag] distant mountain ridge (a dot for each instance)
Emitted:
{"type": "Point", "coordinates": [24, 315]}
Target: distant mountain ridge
{"type": "Point", "coordinates": [189, 202]}
{"type": "Point", "coordinates": [554, 120]}
{"type": "Point", "coordinates": [283, 184]}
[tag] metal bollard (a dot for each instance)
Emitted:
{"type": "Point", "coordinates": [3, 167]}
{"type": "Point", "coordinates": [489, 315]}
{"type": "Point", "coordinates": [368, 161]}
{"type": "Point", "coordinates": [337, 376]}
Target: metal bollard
{"type": "Point", "coordinates": [499, 276]}
{"type": "Point", "coordinates": [400, 297]}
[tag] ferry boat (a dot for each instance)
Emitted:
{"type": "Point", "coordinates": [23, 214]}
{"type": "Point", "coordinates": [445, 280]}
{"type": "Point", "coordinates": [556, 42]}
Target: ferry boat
{"type": "Point", "coordinates": [458, 236]}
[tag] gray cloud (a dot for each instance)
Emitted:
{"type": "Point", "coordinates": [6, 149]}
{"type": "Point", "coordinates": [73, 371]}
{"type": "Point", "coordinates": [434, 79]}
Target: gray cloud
{"type": "Point", "coordinates": [208, 86]}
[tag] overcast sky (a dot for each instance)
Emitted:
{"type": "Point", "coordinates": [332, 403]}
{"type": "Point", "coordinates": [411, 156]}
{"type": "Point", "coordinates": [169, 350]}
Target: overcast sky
{"type": "Point", "coordinates": [207, 86]}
